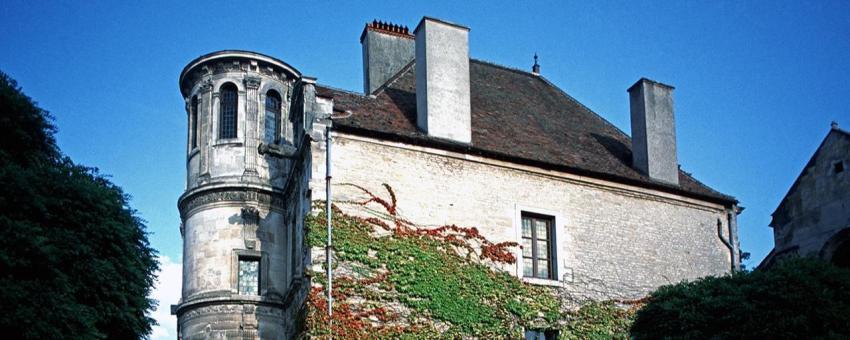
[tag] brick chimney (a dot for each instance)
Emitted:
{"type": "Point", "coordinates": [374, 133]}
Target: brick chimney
{"type": "Point", "coordinates": [654, 130]}
{"type": "Point", "coordinates": [386, 49]}
{"type": "Point", "coordinates": [442, 80]}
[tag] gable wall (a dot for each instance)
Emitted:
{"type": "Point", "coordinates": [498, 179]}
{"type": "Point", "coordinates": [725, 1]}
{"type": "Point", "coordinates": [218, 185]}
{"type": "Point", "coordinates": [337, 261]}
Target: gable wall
{"type": "Point", "coordinates": [819, 205]}
{"type": "Point", "coordinates": [613, 241]}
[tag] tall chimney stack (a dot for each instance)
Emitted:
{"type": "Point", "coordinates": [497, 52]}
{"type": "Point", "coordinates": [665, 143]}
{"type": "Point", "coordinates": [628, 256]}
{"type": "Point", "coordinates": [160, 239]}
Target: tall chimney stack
{"type": "Point", "coordinates": [654, 130]}
{"type": "Point", "coordinates": [442, 80]}
{"type": "Point", "coordinates": [386, 49]}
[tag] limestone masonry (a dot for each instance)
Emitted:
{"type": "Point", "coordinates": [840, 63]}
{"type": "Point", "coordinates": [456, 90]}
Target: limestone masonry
{"type": "Point", "coordinates": [462, 141]}
{"type": "Point", "coordinates": [813, 218]}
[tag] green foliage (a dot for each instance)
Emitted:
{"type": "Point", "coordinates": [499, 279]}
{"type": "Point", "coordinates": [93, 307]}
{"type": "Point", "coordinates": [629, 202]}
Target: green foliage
{"type": "Point", "coordinates": [601, 320]}
{"type": "Point", "coordinates": [797, 299]}
{"type": "Point", "coordinates": [27, 129]}
{"type": "Point", "coordinates": [435, 282]}
{"type": "Point", "coordinates": [74, 258]}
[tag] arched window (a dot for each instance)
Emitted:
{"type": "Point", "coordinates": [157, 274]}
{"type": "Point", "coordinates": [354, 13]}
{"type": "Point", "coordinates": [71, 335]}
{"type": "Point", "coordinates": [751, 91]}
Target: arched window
{"type": "Point", "coordinates": [194, 122]}
{"type": "Point", "coordinates": [227, 114]}
{"type": "Point", "coordinates": [272, 117]}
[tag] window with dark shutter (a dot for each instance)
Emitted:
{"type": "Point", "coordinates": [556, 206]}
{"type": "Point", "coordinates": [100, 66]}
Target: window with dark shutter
{"type": "Point", "coordinates": [229, 102]}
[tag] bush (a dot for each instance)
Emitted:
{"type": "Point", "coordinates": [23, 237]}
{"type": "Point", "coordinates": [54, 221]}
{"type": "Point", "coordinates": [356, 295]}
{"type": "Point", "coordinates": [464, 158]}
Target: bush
{"type": "Point", "coordinates": [797, 299]}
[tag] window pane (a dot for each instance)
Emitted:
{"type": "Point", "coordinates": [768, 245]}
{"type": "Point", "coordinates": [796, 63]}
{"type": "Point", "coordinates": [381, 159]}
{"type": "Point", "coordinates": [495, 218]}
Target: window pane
{"type": "Point", "coordinates": [542, 249]}
{"type": "Point", "coordinates": [228, 111]}
{"type": "Point", "coordinates": [526, 247]}
{"type": "Point", "coordinates": [527, 267]}
{"type": "Point", "coordinates": [249, 277]}
{"type": "Point", "coordinates": [543, 269]}
{"type": "Point", "coordinates": [526, 227]}
{"type": "Point", "coordinates": [541, 227]}
{"type": "Point", "coordinates": [194, 122]}
{"type": "Point", "coordinates": [534, 335]}
{"type": "Point", "coordinates": [272, 132]}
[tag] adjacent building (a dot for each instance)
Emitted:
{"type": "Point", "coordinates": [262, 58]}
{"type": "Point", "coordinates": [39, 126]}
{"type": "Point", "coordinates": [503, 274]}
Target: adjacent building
{"type": "Point", "coordinates": [600, 214]}
{"type": "Point", "coordinates": [813, 218]}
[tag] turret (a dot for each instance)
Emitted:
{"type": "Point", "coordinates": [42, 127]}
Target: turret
{"type": "Point", "coordinates": [242, 213]}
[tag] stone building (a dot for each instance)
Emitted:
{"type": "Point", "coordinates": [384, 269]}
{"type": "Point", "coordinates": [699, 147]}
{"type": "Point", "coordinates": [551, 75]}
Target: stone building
{"type": "Point", "coordinates": [813, 218]}
{"type": "Point", "coordinates": [463, 141]}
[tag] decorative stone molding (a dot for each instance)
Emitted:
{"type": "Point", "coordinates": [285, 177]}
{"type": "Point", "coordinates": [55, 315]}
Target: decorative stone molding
{"type": "Point", "coordinates": [206, 86]}
{"type": "Point", "coordinates": [235, 195]}
{"type": "Point", "coordinates": [250, 216]}
{"type": "Point", "coordinates": [252, 82]}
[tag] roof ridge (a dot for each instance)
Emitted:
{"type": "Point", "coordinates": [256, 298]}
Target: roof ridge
{"type": "Point", "coordinates": [341, 90]}
{"type": "Point", "coordinates": [507, 68]}
{"type": "Point", "coordinates": [571, 98]}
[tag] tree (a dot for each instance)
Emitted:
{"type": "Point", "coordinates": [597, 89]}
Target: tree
{"type": "Point", "coordinates": [75, 261]}
{"type": "Point", "coordinates": [796, 299]}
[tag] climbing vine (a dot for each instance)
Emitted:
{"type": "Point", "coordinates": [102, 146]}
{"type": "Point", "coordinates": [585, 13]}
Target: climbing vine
{"type": "Point", "coordinates": [395, 279]}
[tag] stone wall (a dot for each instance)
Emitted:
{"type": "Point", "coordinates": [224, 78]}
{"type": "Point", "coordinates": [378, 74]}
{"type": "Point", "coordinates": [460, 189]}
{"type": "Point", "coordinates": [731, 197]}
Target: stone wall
{"type": "Point", "coordinates": [613, 241]}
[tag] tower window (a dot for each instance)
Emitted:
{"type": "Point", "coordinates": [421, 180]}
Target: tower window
{"type": "Point", "coordinates": [249, 276]}
{"type": "Point", "coordinates": [229, 101]}
{"type": "Point", "coordinates": [272, 134]}
{"type": "Point", "coordinates": [194, 118]}
{"type": "Point", "coordinates": [538, 256]}
{"type": "Point", "coordinates": [838, 167]}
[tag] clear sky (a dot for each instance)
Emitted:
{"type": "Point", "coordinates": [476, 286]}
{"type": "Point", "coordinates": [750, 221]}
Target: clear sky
{"type": "Point", "coordinates": [757, 82]}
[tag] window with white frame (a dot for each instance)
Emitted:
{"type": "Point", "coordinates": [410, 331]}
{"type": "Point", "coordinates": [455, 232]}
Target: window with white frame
{"type": "Point", "coordinates": [538, 255]}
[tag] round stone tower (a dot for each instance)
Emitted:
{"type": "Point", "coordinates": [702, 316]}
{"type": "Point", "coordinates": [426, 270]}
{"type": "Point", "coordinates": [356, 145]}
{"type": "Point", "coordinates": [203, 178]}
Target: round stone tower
{"type": "Point", "coordinates": [246, 195]}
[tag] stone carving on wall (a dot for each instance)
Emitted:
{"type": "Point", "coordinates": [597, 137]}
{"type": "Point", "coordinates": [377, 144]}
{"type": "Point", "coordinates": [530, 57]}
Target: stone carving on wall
{"type": "Point", "coordinates": [236, 195]}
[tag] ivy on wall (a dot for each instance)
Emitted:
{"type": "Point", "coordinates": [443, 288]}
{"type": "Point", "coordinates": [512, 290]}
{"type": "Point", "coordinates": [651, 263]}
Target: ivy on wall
{"type": "Point", "coordinates": [394, 279]}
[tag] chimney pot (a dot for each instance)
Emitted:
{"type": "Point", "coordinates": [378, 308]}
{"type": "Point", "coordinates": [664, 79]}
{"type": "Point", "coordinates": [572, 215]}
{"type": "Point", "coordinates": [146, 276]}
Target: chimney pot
{"type": "Point", "coordinates": [386, 50]}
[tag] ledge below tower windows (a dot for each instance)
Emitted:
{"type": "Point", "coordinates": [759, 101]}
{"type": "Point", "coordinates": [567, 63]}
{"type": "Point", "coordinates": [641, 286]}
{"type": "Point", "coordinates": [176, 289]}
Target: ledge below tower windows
{"type": "Point", "coordinates": [230, 142]}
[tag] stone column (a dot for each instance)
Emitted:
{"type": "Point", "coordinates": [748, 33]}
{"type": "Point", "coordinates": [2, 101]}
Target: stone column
{"type": "Point", "coordinates": [251, 122]}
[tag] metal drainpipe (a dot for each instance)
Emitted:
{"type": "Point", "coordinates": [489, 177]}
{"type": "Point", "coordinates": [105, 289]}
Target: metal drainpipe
{"type": "Point", "coordinates": [733, 237]}
{"type": "Point", "coordinates": [328, 201]}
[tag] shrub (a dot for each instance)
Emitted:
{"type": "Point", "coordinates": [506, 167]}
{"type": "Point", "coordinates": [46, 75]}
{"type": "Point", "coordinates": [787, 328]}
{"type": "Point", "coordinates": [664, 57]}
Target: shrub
{"type": "Point", "coordinates": [797, 299]}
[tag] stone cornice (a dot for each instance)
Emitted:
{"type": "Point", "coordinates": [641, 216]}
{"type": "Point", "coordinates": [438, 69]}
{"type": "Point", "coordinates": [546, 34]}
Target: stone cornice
{"type": "Point", "coordinates": [194, 199]}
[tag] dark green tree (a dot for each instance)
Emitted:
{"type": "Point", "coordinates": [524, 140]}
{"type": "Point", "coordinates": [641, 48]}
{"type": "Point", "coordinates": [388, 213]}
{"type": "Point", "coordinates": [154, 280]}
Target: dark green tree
{"type": "Point", "coordinates": [796, 299]}
{"type": "Point", "coordinates": [75, 262]}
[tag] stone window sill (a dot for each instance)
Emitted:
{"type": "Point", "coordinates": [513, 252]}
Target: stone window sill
{"type": "Point", "coordinates": [543, 282]}
{"type": "Point", "coordinates": [231, 142]}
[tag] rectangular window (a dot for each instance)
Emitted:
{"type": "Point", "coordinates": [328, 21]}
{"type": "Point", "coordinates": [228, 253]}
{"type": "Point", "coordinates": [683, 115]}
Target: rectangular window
{"type": "Point", "coordinates": [538, 258]}
{"type": "Point", "coordinates": [249, 276]}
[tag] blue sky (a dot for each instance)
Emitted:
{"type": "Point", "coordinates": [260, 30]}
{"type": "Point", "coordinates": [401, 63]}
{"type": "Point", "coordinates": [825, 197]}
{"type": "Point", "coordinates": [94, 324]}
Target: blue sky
{"type": "Point", "coordinates": [757, 82]}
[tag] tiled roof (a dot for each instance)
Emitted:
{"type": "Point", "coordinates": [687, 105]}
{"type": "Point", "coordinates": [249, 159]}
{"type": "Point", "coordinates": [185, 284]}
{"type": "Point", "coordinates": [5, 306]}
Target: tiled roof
{"type": "Point", "coordinates": [516, 116]}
